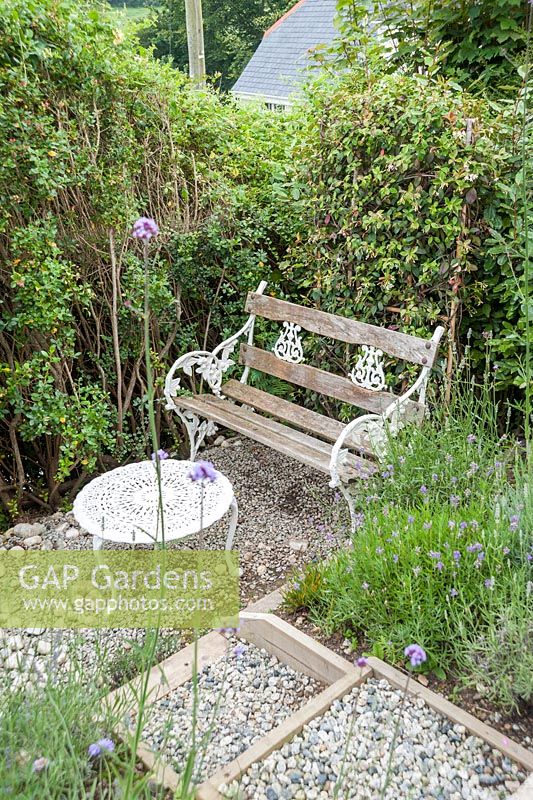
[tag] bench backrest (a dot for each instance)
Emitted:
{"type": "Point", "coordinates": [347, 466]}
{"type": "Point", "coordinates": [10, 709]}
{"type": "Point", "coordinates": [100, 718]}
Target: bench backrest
{"type": "Point", "coordinates": [364, 387]}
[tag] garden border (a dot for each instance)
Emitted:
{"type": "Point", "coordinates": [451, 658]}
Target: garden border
{"type": "Point", "coordinates": [308, 656]}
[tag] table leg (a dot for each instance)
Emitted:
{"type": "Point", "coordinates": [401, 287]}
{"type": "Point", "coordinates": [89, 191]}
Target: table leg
{"type": "Point", "coordinates": [232, 523]}
{"type": "Point", "coordinates": [97, 543]}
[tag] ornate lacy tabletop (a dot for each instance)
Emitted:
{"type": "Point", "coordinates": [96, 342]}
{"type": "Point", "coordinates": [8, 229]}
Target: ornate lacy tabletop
{"type": "Point", "coordinates": [122, 505]}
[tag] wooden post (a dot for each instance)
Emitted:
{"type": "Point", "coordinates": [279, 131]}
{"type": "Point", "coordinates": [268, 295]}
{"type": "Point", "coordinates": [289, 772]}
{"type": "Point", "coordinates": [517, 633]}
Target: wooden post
{"type": "Point", "coordinates": [195, 41]}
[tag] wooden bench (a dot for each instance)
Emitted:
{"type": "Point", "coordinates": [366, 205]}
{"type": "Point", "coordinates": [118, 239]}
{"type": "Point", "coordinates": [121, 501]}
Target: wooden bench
{"type": "Point", "coordinates": [344, 451]}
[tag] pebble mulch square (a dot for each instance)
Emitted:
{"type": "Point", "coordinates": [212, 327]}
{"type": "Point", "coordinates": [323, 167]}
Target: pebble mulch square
{"type": "Point", "coordinates": [254, 692]}
{"type": "Point", "coordinates": [433, 757]}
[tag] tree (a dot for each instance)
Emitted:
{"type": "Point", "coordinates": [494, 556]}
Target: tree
{"type": "Point", "coordinates": [232, 31]}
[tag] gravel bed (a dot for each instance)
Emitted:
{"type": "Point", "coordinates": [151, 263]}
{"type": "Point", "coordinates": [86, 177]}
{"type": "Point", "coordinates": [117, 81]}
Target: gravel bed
{"type": "Point", "coordinates": [282, 510]}
{"type": "Point", "coordinates": [255, 692]}
{"type": "Point", "coordinates": [433, 757]}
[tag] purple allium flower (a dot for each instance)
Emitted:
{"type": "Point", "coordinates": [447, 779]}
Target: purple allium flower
{"type": "Point", "coordinates": [361, 662]}
{"type": "Point", "coordinates": [144, 228]}
{"type": "Point", "coordinates": [489, 583]}
{"type": "Point", "coordinates": [160, 455]}
{"type": "Point", "coordinates": [203, 470]}
{"type": "Point", "coordinates": [239, 649]}
{"type": "Point", "coordinates": [427, 525]}
{"type": "Point", "coordinates": [410, 519]}
{"type": "Point", "coordinates": [434, 554]}
{"type": "Point", "coordinates": [39, 764]}
{"type": "Point", "coordinates": [439, 565]}
{"type": "Point", "coordinates": [423, 490]}
{"type": "Point", "coordinates": [453, 592]}
{"type": "Point", "coordinates": [456, 555]}
{"type": "Point", "coordinates": [506, 551]}
{"type": "Point", "coordinates": [454, 500]}
{"type": "Point", "coordinates": [471, 438]}
{"type": "Point", "coordinates": [100, 747]}
{"type": "Point", "coordinates": [415, 654]}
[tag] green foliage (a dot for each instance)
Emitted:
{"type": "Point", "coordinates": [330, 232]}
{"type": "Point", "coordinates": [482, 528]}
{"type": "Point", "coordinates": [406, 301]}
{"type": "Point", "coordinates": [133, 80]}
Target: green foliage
{"type": "Point", "coordinates": [232, 32]}
{"type": "Point", "coordinates": [436, 560]}
{"type": "Point", "coordinates": [407, 191]}
{"type": "Point", "coordinates": [477, 43]}
{"type": "Point", "coordinates": [96, 132]}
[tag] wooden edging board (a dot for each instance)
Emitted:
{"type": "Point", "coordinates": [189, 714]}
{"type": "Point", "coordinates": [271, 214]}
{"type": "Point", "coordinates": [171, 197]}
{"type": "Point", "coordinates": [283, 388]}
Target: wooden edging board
{"type": "Point", "coordinates": [306, 655]}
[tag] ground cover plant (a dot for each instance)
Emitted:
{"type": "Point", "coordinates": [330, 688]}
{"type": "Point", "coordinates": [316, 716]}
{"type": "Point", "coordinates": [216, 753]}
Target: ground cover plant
{"type": "Point", "coordinates": [443, 555]}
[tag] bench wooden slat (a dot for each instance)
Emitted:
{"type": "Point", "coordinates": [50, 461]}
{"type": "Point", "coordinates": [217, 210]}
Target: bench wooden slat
{"type": "Point", "coordinates": [308, 451]}
{"type": "Point", "coordinates": [304, 418]}
{"type": "Point", "coordinates": [319, 381]}
{"type": "Point", "coordinates": [271, 425]}
{"type": "Point", "coordinates": [396, 344]}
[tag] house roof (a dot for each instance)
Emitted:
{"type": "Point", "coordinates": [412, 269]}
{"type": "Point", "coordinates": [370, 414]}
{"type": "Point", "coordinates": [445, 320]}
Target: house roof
{"type": "Point", "coordinates": [277, 68]}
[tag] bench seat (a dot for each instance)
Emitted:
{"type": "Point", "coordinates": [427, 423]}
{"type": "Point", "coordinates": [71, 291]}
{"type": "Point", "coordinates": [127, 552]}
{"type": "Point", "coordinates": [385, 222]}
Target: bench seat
{"type": "Point", "coordinates": [285, 439]}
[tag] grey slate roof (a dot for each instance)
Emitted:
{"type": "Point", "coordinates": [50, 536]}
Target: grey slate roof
{"type": "Point", "coordinates": [278, 66]}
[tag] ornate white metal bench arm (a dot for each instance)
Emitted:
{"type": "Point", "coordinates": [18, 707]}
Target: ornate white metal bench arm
{"type": "Point", "coordinates": [210, 366]}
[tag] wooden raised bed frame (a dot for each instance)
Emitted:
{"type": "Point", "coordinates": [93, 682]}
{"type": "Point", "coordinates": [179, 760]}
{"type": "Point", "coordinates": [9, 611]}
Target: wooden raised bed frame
{"type": "Point", "coordinates": [307, 656]}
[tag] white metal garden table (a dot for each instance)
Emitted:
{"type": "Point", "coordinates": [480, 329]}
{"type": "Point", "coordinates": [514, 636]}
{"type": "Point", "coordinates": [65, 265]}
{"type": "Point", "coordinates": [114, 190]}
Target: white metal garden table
{"type": "Point", "coordinates": [123, 505]}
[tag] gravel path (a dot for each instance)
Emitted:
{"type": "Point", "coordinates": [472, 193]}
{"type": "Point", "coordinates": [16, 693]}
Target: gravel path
{"type": "Point", "coordinates": [433, 757]}
{"type": "Point", "coordinates": [284, 508]}
{"type": "Point", "coordinates": [254, 691]}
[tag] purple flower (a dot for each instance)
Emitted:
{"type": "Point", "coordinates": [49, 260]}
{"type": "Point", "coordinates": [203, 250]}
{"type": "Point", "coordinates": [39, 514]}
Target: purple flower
{"type": "Point", "coordinates": [506, 551]}
{"type": "Point", "coordinates": [434, 477]}
{"type": "Point", "coordinates": [410, 519]}
{"type": "Point", "coordinates": [471, 438]}
{"type": "Point", "coordinates": [439, 565]}
{"type": "Point", "coordinates": [395, 534]}
{"type": "Point", "coordinates": [160, 455]}
{"type": "Point", "coordinates": [451, 523]}
{"type": "Point", "coordinates": [489, 583]}
{"type": "Point", "coordinates": [379, 550]}
{"type": "Point", "coordinates": [39, 764]}
{"type": "Point", "coordinates": [423, 490]}
{"type": "Point", "coordinates": [203, 470]}
{"type": "Point", "coordinates": [454, 500]}
{"type": "Point", "coordinates": [434, 554]}
{"type": "Point", "coordinates": [453, 592]}
{"type": "Point", "coordinates": [395, 558]}
{"type": "Point", "coordinates": [415, 654]}
{"type": "Point", "coordinates": [513, 522]}
{"type": "Point", "coordinates": [453, 479]}
{"type": "Point", "coordinates": [144, 228]}
{"type": "Point", "coordinates": [449, 458]}
{"type": "Point", "coordinates": [456, 555]}
{"type": "Point", "coordinates": [427, 525]}
{"type": "Point", "coordinates": [239, 649]}
{"type": "Point", "coordinates": [361, 662]}
{"type": "Point", "coordinates": [359, 520]}
{"type": "Point", "coordinates": [473, 548]}
{"type": "Point", "coordinates": [529, 557]}
{"type": "Point", "coordinates": [100, 747]}
{"type": "Point", "coordinates": [364, 586]}
{"type": "Point", "coordinates": [463, 525]}
{"type": "Point", "coordinates": [401, 459]}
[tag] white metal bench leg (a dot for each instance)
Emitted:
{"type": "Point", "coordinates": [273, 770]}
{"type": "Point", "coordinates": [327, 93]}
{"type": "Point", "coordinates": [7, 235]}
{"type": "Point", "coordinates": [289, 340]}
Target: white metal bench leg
{"type": "Point", "coordinates": [97, 543]}
{"type": "Point", "coordinates": [232, 523]}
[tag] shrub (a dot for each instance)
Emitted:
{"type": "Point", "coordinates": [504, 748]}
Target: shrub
{"type": "Point", "coordinates": [95, 133]}
{"type": "Point", "coordinates": [443, 556]}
